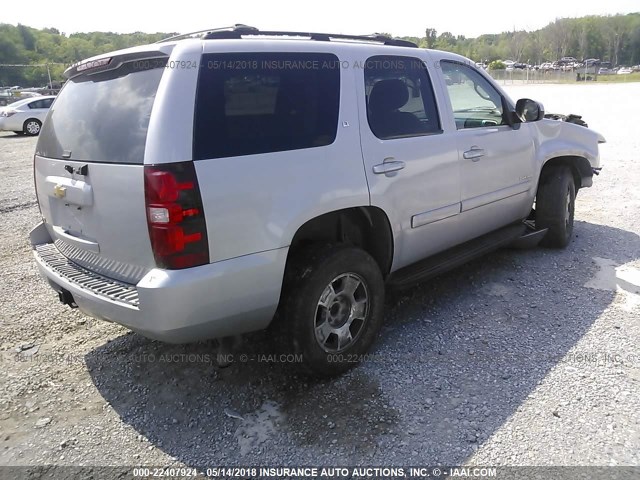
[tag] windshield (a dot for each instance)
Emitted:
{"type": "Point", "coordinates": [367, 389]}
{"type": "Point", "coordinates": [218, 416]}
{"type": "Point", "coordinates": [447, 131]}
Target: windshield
{"type": "Point", "coordinates": [103, 117]}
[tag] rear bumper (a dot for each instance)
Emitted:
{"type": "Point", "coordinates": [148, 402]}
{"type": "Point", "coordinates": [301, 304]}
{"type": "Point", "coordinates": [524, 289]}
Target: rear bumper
{"type": "Point", "coordinates": [8, 124]}
{"type": "Point", "coordinates": [177, 306]}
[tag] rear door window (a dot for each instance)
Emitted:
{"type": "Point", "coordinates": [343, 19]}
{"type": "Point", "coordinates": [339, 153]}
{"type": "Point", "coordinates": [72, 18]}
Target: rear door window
{"type": "Point", "coordinates": [400, 98]}
{"type": "Point", "coordinates": [103, 117]}
{"type": "Point", "coordinates": [251, 103]}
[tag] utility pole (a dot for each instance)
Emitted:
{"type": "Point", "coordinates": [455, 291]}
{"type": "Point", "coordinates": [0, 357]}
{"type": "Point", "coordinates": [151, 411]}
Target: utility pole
{"type": "Point", "coordinates": [49, 75]}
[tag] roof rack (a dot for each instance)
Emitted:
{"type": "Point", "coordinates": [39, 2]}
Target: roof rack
{"type": "Point", "coordinates": [239, 30]}
{"type": "Point", "coordinates": [202, 33]}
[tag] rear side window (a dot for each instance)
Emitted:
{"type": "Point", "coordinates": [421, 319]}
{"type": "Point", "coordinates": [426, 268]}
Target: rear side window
{"type": "Point", "coordinates": [250, 103]}
{"type": "Point", "coordinates": [103, 117]}
{"type": "Point", "coordinates": [46, 103]}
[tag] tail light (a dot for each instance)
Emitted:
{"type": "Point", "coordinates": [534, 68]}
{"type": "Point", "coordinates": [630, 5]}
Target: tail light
{"type": "Point", "coordinates": [175, 216]}
{"type": "Point", "coordinates": [7, 113]}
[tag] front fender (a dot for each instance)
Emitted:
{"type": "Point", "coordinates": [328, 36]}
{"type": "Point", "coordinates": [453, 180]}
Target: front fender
{"type": "Point", "coordinates": [576, 143]}
{"type": "Point", "coordinates": [562, 139]}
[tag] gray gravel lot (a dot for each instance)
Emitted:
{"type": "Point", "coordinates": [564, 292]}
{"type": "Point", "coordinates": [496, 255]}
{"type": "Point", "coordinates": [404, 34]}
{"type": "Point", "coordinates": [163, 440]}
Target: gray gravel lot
{"type": "Point", "coordinates": [520, 358]}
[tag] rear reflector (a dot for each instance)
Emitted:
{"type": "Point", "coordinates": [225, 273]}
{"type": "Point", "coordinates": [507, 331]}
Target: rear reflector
{"type": "Point", "coordinates": [175, 216]}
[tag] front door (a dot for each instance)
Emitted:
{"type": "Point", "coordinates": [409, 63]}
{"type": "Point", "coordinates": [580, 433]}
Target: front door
{"type": "Point", "coordinates": [496, 161]}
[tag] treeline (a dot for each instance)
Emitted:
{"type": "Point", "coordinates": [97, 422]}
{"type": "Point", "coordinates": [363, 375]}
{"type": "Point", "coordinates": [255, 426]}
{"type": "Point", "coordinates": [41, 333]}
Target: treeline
{"type": "Point", "coordinates": [22, 45]}
{"type": "Point", "coordinates": [612, 38]}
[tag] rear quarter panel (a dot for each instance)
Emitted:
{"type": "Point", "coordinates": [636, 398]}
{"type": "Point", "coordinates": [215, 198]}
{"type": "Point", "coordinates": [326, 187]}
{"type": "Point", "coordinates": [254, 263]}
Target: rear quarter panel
{"type": "Point", "coordinates": [256, 203]}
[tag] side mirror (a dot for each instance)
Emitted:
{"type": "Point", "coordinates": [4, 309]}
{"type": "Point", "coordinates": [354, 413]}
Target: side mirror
{"type": "Point", "coordinates": [529, 111]}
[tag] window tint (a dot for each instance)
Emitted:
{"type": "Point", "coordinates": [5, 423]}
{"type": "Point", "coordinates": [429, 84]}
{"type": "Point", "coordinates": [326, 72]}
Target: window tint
{"type": "Point", "coordinates": [474, 101]}
{"type": "Point", "coordinates": [250, 103]}
{"type": "Point", "coordinates": [36, 104]}
{"type": "Point", "coordinates": [103, 117]}
{"type": "Point", "coordinates": [400, 100]}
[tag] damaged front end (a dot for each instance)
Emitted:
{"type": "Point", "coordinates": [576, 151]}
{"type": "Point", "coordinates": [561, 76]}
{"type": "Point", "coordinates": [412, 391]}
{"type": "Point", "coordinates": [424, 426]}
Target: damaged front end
{"type": "Point", "coordinates": [571, 118]}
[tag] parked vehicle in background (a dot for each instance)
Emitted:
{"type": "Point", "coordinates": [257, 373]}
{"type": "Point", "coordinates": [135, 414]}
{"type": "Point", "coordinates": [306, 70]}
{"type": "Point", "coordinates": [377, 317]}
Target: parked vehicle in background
{"type": "Point", "coordinates": [6, 97]}
{"type": "Point", "coordinates": [625, 71]}
{"type": "Point", "coordinates": [606, 71]}
{"type": "Point", "coordinates": [29, 94]}
{"type": "Point", "coordinates": [25, 116]}
{"type": "Point", "coordinates": [264, 177]}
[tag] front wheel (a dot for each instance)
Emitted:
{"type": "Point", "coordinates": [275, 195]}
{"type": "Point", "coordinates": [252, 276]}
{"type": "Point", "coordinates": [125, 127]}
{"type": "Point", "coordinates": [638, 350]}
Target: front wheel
{"type": "Point", "coordinates": [32, 127]}
{"type": "Point", "coordinates": [555, 206]}
{"type": "Point", "coordinates": [333, 303]}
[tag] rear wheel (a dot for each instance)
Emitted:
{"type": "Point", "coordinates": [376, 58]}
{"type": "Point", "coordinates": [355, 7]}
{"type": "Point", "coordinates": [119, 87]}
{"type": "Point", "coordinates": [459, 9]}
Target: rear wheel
{"type": "Point", "coordinates": [32, 127]}
{"type": "Point", "coordinates": [332, 306]}
{"type": "Point", "coordinates": [555, 206]}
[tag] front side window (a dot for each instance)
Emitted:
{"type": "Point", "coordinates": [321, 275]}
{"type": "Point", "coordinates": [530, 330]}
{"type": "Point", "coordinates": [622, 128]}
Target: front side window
{"type": "Point", "coordinates": [474, 101]}
{"type": "Point", "coordinates": [399, 96]}
{"type": "Point", "coordinates": [252, 103]}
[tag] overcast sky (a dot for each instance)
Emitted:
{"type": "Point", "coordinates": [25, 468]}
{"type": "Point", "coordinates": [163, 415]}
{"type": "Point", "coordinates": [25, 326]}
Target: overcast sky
{"type": "Point", "coordinates": [404, 17]}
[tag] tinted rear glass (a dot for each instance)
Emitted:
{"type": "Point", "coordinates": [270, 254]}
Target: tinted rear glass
{"type": "Point", "coordinates": [103, 117]}
{"type": "Point", "coordinates": [250, 103]}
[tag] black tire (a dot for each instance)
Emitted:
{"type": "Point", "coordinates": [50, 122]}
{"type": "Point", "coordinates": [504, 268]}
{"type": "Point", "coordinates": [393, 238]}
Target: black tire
{"type": "Point", "coordinates": [309, 274]}
{"type": "Point", "coordinates": [32, 127]}
{"type": "Point", "coordinates": [555, 206]}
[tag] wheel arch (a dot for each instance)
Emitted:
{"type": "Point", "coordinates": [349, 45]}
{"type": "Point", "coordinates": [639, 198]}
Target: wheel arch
{"type": "Point", "coordinates": [579, 166]}
{"type": "Point", "coordinates": [366, 227]}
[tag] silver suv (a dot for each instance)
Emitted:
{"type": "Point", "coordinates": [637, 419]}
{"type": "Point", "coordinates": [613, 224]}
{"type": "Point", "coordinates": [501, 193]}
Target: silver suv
{"type": "Point", "coordinates": [201, 186]}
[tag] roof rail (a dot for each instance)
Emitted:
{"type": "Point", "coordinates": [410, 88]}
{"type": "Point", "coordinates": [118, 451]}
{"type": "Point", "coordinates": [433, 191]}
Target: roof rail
{"type": "Point", "coordinates": [239, 30]}
{"type": "Point", "coordinates": [234, 28]}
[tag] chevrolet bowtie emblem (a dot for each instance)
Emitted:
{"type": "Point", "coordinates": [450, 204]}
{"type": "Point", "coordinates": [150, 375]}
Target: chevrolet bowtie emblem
{"type": "Point", "coordinates": [59, 191]}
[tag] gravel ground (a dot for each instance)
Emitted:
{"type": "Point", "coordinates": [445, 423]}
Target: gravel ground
{"type": "Point", "coordinates": [520, 358]}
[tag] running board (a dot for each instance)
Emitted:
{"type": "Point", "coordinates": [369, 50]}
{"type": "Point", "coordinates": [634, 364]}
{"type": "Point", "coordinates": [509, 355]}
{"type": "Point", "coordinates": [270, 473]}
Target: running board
{"type": "Point", "coordinates": [456, 256]}
{"type": "Point", "coordinates": [530, 239]}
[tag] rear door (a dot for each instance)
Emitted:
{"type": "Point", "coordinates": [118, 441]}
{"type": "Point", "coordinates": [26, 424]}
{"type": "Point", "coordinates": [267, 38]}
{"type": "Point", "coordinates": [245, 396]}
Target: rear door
{"type": "Point", "coordinates": [39, 108]}
{"type": "Point", "coordinates": [410, 161]}
{"type": "Point", "coordinates": [89, 168]}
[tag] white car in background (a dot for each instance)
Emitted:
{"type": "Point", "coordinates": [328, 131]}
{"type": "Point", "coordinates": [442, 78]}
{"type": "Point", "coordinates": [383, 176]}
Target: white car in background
{"type": "Point", "coordinates": [625, 71]}
{"type": "Point", "coordinates": [25, 116]}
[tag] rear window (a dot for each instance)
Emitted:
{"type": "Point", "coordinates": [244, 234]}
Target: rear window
{"type": "Point", "coordinates": [103, 117]}
{"type": "Point", "coordinates": [250, 103]}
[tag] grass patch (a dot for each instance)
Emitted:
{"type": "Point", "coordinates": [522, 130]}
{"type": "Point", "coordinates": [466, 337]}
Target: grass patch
{"type": "Point", "coordinates": [614, 78]}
